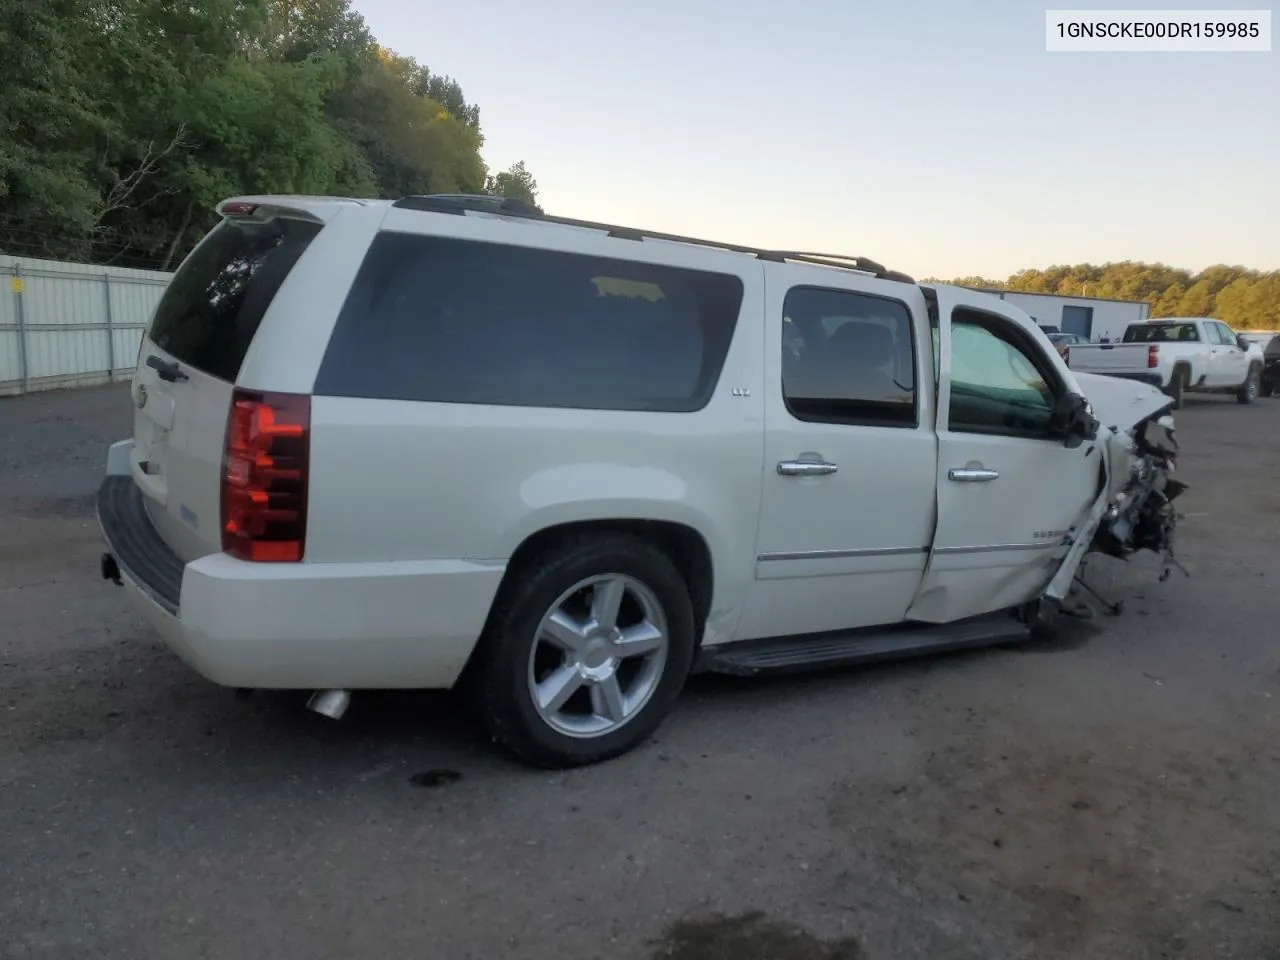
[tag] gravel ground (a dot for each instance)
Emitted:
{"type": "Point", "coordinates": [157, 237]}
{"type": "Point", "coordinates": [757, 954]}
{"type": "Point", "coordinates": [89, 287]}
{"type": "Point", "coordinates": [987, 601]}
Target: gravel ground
{"type": "Point", "coordinates": [1109, 794]}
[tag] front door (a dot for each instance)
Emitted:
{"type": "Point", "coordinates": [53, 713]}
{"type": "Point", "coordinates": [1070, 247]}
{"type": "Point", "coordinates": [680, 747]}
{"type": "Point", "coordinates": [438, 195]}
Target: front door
{"type": "Point", "coordinates": [1230, 364]}
{"type": "Point", "coordinates": [1009, 493]}
{"type": "Point", "coordinates": [850, 455]}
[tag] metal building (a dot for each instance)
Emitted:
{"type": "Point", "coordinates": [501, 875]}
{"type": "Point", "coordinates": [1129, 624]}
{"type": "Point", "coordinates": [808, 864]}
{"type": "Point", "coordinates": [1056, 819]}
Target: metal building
{"type": "Point", "coordinates": [1092, 317]}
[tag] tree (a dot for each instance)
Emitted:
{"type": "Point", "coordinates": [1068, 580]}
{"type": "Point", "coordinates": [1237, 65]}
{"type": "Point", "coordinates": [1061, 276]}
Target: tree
{"type": "Point", "coordinates": [122, 122]}
{"type": "Point", "coordinates": [515, 182]}
{"type": "Point", "coordinates": [1245, 299]}
{"type": "Point", "coordinates": [51, 120]}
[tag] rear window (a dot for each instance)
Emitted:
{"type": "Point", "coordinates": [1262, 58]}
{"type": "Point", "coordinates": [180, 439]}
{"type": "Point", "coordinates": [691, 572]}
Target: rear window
{"type": "Point", "coordinates": [1162, 333]}
{"type": "Point", "coordinates": [456, 321]}
{"type": "Point", "coordinates": [214, 303]}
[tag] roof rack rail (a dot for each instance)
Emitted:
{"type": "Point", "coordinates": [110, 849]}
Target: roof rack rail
{"type": "Point", "coordinates": [461, 203]}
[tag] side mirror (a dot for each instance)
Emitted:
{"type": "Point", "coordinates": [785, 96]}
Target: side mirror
{"type": "Point", "coordinates": [1242, 343]}
{"type": "Point", "coordinates": [1073, 420]}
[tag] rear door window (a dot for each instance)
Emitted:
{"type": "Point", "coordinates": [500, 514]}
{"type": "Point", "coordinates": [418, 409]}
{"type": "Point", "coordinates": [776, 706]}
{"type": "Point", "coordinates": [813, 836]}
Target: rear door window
{"type": "Point", "coordinates": [215, 302]}
{"type": "Point", "coordinates": [455, 321]}
{"type": "Point", "coordinates": [848, 358]}
{"type": "Point", "coordinates": [1162, 333]}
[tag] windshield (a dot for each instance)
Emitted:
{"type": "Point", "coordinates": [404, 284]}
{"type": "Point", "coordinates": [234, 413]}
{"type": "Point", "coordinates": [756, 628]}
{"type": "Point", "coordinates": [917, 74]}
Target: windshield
{"type": "Point", "coordinates": [1161, 333]}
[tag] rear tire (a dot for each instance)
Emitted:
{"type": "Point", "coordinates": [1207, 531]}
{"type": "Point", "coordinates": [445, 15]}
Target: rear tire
{"type": "Point", "coordinates": [1248, 391]}
{"type": "Point", "coordinates": [1266, 387]}
{"type": "Point", "coordinates": [1176, 385]}
{"type": "Point", "coordinates": [586, 651]}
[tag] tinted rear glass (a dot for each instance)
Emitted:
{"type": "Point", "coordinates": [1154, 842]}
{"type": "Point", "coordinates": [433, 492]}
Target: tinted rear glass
{"type": "Point", "coordinates": [456, 321]}
{"type": "Point", "coordinates": [214, 303]}
{"type": "Point", "coordinates": [1162, 333]}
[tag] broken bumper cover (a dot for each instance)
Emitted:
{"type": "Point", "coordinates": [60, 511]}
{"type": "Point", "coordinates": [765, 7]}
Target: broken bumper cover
{"type": "Point", "coordinates": [1134, 510]}
{"type": "Point", "coordinates": [1141, 516]}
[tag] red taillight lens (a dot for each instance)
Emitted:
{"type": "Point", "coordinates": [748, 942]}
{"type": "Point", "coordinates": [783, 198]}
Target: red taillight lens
{"type": "Point", "coordinates": [264, 476]}
{"type": "Point", "coordinates": [1066, 356]}
{"type": "Point", "coordinates": [1153, 356]}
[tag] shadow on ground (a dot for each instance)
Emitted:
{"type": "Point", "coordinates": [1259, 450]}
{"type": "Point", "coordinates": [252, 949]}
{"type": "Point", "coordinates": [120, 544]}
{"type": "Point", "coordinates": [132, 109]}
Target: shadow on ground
{"type": "Point", "coordinates": [749, 936]}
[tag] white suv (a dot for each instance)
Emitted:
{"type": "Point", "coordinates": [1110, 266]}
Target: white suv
{"type": "Point", "coordinates": [410, 444]}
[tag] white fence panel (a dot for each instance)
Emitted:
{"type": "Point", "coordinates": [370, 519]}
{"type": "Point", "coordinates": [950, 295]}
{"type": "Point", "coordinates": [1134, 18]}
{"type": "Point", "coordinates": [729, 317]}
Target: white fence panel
{"type": "Point", "coordinates": [71, 324]}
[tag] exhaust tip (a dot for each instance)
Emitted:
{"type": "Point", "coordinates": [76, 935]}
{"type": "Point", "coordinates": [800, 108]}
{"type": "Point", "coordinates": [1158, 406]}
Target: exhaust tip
{"type": "Point", "coordinates": [330, 703]}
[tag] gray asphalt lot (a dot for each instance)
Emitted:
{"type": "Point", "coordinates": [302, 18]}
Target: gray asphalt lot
{"type": "Point", "coordinates": [1109, 794]}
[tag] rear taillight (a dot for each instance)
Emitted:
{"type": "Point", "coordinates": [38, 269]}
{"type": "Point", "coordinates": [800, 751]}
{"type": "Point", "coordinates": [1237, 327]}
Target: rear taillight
{"type": "Point", "coordinates": [1153, 356]}
{"type": "Point", "coordinates": [264, 476]}
{"type": "Point", "coordinates": [1066, 356]}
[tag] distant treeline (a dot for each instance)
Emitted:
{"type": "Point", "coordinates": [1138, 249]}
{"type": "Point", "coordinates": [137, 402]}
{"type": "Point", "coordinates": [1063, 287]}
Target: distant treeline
{"type": "Point", "coordinates": [1244, 299]}
{"type": "Point", "coordinates": [122, 122]}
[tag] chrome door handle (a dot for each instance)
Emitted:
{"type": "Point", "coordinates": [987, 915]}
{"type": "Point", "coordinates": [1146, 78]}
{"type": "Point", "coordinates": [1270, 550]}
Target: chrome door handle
{"type": "Point", "coordinates": [806, 468]}
{"type": "Point", "coordinates": [972, 474]}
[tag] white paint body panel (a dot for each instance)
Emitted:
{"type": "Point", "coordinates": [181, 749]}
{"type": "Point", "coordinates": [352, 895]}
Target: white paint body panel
{"type": "Point", "coordinates": [1120, 404]}
{"type": "Point", "coordinates": [844, 550]}
{"type": "Point", "coordinates": [179, 435]}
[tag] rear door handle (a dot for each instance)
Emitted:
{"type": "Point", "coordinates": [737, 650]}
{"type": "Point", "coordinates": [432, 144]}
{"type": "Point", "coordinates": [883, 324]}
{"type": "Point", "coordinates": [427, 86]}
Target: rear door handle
{"type": "Point", "coordinates": [806, 468]}
{"type": "Point", "coordinates": [166, 369]}
{"type": "Point", "coordinates": [972, 474]}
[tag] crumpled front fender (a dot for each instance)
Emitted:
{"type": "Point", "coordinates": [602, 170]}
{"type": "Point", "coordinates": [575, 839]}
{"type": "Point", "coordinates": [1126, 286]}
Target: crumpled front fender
{"type": "Point", "coordinates": [1133, 510]}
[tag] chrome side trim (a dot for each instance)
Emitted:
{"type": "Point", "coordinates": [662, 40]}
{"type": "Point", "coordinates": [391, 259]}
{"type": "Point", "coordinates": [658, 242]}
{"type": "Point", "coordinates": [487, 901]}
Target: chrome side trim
{"type": "Point", "coordinates": [999, 547]}
{"type": "Point", "coordinates": [901, 551]}
{"type": "Point", "coordinates": [841, 554]}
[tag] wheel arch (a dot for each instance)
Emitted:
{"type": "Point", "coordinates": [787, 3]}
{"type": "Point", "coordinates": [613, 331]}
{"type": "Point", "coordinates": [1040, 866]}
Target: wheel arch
{"type": "Point", "coordinates": [685, 545]}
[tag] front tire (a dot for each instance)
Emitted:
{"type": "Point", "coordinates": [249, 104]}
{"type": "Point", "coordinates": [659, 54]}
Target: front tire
{"type": "Point", "coordinates": [1248, 391]}
{"type": "Point", "coordinates": [586, 651]}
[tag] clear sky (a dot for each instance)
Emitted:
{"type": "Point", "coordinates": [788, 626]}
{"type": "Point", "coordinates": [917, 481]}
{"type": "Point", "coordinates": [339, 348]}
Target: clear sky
{"type": "Point", "coordinates": [938, 138]}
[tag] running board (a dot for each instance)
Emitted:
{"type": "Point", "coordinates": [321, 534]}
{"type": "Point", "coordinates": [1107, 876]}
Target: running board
{"type": "Point", "coordinates": [749, 658]}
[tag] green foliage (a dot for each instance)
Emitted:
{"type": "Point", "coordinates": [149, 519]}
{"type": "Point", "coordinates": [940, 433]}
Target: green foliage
{"type": "Point", "coordinates": [50, 122]}
{"type": "Point", "coordinates": [516, 182]}
{"type": "Point", "coordinates": [1244, 299]}
{"type": "Point", "coordinates": [122, 122]}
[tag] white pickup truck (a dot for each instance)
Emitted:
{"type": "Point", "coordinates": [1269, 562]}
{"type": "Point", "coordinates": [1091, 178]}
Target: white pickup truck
{"type": "Point", "coordinates": [1178, 355]}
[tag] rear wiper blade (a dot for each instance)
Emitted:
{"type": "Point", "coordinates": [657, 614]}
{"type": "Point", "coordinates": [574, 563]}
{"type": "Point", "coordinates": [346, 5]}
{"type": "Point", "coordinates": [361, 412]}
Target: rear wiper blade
{"type": "Point", "coordinates": [166, 369]}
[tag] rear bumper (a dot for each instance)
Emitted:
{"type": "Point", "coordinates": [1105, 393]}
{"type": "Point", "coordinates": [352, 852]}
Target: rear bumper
{"type": "Point", "coordinates": [403, 624]}
{"type": "Point", "coordinates": [141, 557]}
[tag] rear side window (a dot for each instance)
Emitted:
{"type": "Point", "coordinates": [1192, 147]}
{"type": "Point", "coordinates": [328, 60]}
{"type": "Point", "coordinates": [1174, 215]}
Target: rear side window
{"type": "Point", "coordinates": [1162, 333]}
{"type": "Point", "coordinates": [214, 303]}
{"type": "Point", "coordinates": [457, 321]}
{"type": "Point", "coordinates": [848, 358]}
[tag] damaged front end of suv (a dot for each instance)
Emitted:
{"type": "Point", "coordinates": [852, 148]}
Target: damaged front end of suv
{"type": "Point", "coordinates": [1141, 515]}
{"type": "Point", "coordinates": [1134, 510]}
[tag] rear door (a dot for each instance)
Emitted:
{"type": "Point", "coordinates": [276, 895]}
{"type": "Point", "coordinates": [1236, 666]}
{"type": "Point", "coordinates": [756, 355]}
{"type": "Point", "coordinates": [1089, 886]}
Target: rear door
{"type": "Point", "coordinates": [188, 364]}
{"type": "Point", "coordinates": [850, 456]}
{"type": "Point", "coordinates": [1009, 492]}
